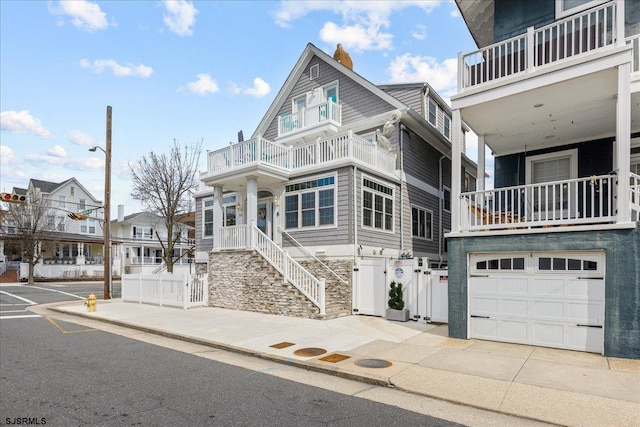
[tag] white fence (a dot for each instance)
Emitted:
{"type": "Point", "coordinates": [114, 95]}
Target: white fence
{"type": "Point", "coordinates": [166, 289]}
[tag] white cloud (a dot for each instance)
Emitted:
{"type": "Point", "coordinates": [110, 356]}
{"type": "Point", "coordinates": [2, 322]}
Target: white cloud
{"type": "Point", "coordinates": [8, 156]}
{"type": "Point", "coordinates": [420, 32]}
{"type": "Point", "coordinates": [127, 70]}
{"type": "Point", "coordinates": [84, 15]}
{"type": "Point", "coordinates": [22, 122]}
{"type": "Point", "coordinates": [39, 159]}
{"type": "Point", "coordinates": [180, 16]}
{"type": "Point", "coordinates": [203, 85]}
{"type": "Point", "coordinates": [356, 37]}
{"type": "Point", "coordinates": [57, 151]}
{"type": "Point", "coordinates": [80, 138]}
{"type": "Point", "coordinates": [440, 75]}
{"type": "Point", "coordinates": [363, 21]}
{"type": "Point", "coordinates": [260, 88]}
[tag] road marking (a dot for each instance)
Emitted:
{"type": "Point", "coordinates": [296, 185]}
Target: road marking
{"type": "Point", "coordinates": [54, 323]}
{"type": "Point", "coordinates": [19, 317]}
{"type": "Point", "coordinates": [11, 305]}
{"type": "Point", "coordinates": [60, 292]}
{"type": "Point", "coordinates": [19, 297]}
{"type": "Point", "coordinates": [12, 311]}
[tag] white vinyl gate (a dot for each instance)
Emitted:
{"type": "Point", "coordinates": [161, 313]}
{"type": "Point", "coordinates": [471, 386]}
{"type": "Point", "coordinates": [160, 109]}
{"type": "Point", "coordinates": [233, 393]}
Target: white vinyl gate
{"type": "Point", "coordinates": [549, 299]}
{"type": "Point", "coordinates": [425, 290]}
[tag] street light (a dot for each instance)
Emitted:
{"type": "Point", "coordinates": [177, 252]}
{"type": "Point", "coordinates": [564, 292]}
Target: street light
{"type": "Point", "coordinates": [107, 207]}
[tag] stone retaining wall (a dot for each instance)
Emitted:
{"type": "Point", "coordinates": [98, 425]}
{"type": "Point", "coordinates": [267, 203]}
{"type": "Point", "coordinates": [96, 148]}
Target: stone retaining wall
{"type": "Point", "coordinates": [243, 280]}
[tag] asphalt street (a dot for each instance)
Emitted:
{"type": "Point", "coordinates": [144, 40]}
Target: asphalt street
{"type": "Point", "coordinates": [65, 374]}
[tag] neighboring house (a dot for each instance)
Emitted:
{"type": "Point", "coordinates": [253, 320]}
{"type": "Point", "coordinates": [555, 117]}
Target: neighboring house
{"type": "Point", "coordinates": [142, 239]}
{"type": "Point", "coordinates": [69, 243]}
{"type": "Point", "coordinates": [342, 177]}
{"type": "Point", "coordinates": [551, 256]}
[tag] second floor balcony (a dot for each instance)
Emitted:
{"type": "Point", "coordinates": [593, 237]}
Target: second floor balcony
{"type": "Point", "coordinates": [262, 157]}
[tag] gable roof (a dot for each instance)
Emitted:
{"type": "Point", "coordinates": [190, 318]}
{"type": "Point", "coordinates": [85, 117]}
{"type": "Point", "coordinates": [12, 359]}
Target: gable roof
{"type": "Point", "coordinates": [309, 52]}
{"type": "Point", "coordinates": [44, 186]}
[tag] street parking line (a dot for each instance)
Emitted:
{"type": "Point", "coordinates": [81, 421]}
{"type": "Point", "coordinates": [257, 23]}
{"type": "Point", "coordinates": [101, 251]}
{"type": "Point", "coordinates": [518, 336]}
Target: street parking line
{"type": "Point", "coordinates": [54, 323]}
{"type": "Point", "coordinates": [19, 297]}
{"type": "Point", "coordinates": [19, 317]}
{"type": "Point", "coordinates": [60, 292]}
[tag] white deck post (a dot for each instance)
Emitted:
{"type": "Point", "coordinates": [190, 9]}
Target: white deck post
{"type": "Point", "coordinates": [456, 171]}
{"type": "Point", "coordinates": [251, 210]}
{"type": "Point", "coordinates": [321, 297]}
{"type": "Point", "coordinates": [481, 164]}
{"type": "Point", "coordinates": [218, 214]}
{"type": "Point", "coordinates": [623, 141]}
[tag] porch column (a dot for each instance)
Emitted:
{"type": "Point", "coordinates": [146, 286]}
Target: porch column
{"type": "Point", "coordinates": [218, 215]}
{"type": "Point", "coordinates": [481, 163]}
{"type": "Point", "coordinates": [623, 141]}
{"type": "Point", "coordinates": [277, 234]}
{"type": "Point", "coordinates": [456, 171]}
{"type": "Point", "coordinates": [251, 210]}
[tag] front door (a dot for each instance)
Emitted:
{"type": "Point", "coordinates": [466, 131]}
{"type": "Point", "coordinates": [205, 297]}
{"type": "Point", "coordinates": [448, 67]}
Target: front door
{"type": "Point", "coordinates": [264, 216]}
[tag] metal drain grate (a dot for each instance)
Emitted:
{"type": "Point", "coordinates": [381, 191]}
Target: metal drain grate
{"type": "Point", "coordinates": [373, 363]}
{"type": "Point", "coordinates": [282, 345]}
{"type": "Point", "coordinates": [335, 358]}
{"type": "Point", "coordinates": [310, 352]}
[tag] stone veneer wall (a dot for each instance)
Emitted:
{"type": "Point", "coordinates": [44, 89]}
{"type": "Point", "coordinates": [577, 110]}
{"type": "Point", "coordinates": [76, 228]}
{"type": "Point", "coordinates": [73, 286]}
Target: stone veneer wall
{"type": "Point", "coordinates": [243, 280]}
{"type": "Point", "coordinates": [338, 295]}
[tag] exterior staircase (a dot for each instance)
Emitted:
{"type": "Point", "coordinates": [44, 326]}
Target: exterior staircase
{"type": "Point", "coordinates": [9, 276]}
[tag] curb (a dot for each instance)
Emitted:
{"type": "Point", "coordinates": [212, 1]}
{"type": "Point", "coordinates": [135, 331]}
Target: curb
{"type": "Point", "coordinates": [239, 350]}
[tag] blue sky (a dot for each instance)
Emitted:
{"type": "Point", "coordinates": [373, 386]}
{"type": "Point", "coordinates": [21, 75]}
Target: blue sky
{"type": "Point", "coordinates": [185, 70]}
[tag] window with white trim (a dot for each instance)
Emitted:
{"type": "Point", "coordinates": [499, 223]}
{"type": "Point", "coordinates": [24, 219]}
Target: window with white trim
{"type": "Point", "coordinates": [446, 199]}
{"type": "Point", "coordinates": [433, 113]}
{"type": "Point", "coordinates": [331, 92]}
{"type": "Point", "coordinates": [556, 166]}
{"type": "Point", "coordinates": [299, 103]}
{"type": "Point", "coordinates": [377, 205]}
{"type": "Point", "coordinates": [422, 223]}
{"type": "Point", "coordinates": [310, 203]}
{"type": "Point", "coordinates": [88, 226]}
{"type": "Point", "coordinates": [142, 232]}
{"type": "Point", "coordinates": [207, 217]}
{"type": "Point", "coordinates": [569, 7]}
{"type": "Point", "coordinates": [447, 127]}
{"type": "Point", "coordinates": [314, 72]}
{"type": "Point", "coordinates": [62, 201]}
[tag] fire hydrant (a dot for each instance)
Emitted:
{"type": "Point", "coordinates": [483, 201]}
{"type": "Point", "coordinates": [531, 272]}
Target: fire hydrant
{"type": "Point", "coordinates": [91, 303]}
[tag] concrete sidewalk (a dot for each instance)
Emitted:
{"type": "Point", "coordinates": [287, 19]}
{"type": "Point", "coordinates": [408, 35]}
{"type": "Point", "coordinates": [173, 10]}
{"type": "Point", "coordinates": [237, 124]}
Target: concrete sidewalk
{"type": "Point", "coordinates": [554, 386]}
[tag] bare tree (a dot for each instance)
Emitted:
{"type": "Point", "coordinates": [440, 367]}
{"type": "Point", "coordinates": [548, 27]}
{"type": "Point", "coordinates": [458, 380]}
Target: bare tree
{"type": "Point", "coordinates": [27, 229]}
{"type": "Point", "coordinates": [165, 184]}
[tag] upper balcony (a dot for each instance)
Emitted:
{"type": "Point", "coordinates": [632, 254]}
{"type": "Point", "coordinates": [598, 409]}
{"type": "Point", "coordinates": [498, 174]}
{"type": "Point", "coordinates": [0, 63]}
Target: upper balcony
{"type": "Point", "coordinates": [229, 166]}
{"type": "Point", "coordinates": [310, 122]}
{"type": "Point", "coordinates": [592, 31]}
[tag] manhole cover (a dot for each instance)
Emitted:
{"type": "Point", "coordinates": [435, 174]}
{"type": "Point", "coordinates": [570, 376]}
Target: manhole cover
{"type": "Point", "coordinates": [282, 345]}
{"type": "Point", "coordinates": [373, 363]}
{"type": "Point", "coordinates": [334, 358]}
{"type": "Point", "coordinates": [310, 352]}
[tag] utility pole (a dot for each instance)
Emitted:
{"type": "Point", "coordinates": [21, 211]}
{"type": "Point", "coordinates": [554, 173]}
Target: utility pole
{"type": "Point", "coordinates": [107, 211]}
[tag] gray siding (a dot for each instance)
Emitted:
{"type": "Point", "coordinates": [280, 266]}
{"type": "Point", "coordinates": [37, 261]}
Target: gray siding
{"type": "Point", "coordinates": [202, 244]}
{"type": "Point", "coordinates": [421, 199]}
{"type": "Point", "coordinates": [410, 96]}
{"type": "Point", "coordinates": [357, 102]}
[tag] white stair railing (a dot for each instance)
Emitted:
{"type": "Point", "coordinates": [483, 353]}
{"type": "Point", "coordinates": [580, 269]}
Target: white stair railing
{"type": "Point", "coordinates": [294, 273]}
{"type": "Point", "coordinates": [634, 197]}
{"type": "Point", "coordinates": [283, 231]}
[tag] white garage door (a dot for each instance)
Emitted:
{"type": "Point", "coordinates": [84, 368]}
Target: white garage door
{"type": "Point", "coordinates": [545, 299]}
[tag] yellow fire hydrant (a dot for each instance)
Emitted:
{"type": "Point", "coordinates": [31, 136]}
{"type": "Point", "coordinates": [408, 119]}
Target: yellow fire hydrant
{"type": "Point", "coordinates": [91, 303]}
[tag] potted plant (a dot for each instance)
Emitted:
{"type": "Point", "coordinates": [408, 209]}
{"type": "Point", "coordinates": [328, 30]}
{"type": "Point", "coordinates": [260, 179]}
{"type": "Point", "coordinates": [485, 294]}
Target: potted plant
{"type": "Point", "coordinates": [396, 310]}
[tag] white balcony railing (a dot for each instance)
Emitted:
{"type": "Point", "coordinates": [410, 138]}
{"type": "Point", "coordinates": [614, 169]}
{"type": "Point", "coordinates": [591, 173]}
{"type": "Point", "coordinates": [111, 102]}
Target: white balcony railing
{"type": "Point", "coordinates": [309, 117]}
{"type": "Point", "coordinates": [243, 237]}
{"type": "Point", "coordinates": [634, 41]}
{"type": "Point", "coordinates": [576, 35]}
{"type": "Point", "coordinates": [579, 201]}
{"type": "Point", "coordinates": [261, 151]}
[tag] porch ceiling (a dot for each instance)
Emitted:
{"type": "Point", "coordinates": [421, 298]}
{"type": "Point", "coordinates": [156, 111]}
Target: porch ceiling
{"type": "Point", "coordinates": [573, 110]}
